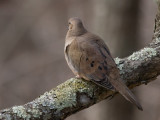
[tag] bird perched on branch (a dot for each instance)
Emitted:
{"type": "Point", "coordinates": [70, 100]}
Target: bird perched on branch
{"type": "Point", "coordinates": [89, 58]}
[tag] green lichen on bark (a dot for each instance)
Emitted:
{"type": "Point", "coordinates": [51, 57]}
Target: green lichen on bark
{"type": "Point", "coordinates": [119, 63]}
{"type": "Point", "coordinates": [65, 95]}
{"type": "Point", "coordinates": [157, 41]}
{"type": "Point", "coordinates": [143, 55]}
{"type": "Point", "coordinates": [137, 59]}
{"type": "Point", "coordinates": [21, 112]}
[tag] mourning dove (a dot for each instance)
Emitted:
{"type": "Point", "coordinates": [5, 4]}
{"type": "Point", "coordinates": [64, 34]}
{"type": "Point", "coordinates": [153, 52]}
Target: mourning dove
{"type": "Point", "coordinates": [89, 58]}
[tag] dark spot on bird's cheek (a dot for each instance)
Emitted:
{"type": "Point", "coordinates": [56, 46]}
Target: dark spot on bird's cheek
{"type": "Point", "coordinates": [86, 59]}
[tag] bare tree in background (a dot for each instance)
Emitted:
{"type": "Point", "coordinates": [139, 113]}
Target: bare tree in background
{"type": "Point", "coordinates": [118, 23]}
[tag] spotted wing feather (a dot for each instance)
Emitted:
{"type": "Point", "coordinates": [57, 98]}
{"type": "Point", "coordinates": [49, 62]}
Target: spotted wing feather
{"type": "Point", "coordinates": [92, 60]}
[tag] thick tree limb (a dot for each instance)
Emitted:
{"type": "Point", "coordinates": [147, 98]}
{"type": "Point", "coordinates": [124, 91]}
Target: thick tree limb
{"type": "Point", "coordinates": [75, 94]}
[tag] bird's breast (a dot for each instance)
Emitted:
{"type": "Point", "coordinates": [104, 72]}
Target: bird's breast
{"type": "Point", "coordinates": [73, 56]}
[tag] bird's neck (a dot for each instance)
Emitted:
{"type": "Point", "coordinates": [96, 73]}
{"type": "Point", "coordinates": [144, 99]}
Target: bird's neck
{"type": "Point", "coordinates": [77, 32]}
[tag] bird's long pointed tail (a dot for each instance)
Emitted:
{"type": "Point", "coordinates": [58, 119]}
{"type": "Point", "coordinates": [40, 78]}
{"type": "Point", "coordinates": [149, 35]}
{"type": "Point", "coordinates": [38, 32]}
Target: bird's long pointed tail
{"type": "Point", "coordinates": [125, 91]}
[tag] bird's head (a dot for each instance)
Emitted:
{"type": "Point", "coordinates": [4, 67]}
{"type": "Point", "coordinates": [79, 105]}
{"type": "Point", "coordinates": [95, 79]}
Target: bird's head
{"type": "Point", "coordinates": [75, 27]}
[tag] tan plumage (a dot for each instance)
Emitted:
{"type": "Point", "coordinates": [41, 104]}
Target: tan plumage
{"type": "Point", "coordinates": [89, 57]}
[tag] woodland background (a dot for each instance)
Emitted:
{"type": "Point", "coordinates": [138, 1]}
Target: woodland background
{"type": "Point", "coordinates": [32, 34]}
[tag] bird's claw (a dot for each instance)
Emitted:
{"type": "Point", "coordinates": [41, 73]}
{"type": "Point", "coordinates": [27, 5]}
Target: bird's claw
{"type": "Point", "coordinates": [78, 77]}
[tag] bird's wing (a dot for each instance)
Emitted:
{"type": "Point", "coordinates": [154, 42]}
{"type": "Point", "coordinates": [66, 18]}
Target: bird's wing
{"type": "Point", "coordinates": [92, 60]}
{"type": "Point", "coordinates": [100, 63]}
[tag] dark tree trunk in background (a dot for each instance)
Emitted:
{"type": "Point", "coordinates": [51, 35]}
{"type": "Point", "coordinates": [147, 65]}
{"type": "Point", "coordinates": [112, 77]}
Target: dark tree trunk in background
{"type": "Point", "coordinates": [117, 22]}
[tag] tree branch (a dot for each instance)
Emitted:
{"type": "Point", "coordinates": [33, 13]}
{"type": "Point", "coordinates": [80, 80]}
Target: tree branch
{"type": "Point", "coordinates": [76, 94]}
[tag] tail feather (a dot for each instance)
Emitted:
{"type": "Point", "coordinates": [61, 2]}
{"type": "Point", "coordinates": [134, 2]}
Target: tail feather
{"type": "Point", "coordinates": [131, 97]}
{"type": "Point", "coordinates": [124, 90]}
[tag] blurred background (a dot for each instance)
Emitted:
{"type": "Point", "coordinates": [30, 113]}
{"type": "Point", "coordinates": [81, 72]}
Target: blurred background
{"type": "Point", "coordinates": [32, 35]}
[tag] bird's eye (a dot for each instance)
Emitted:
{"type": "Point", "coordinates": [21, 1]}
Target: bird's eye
{"type": "Point", "coordinates": [69, 23]}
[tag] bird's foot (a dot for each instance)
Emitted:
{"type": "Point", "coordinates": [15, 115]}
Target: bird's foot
{"type": "Point", "coordinates": [78, 77]}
